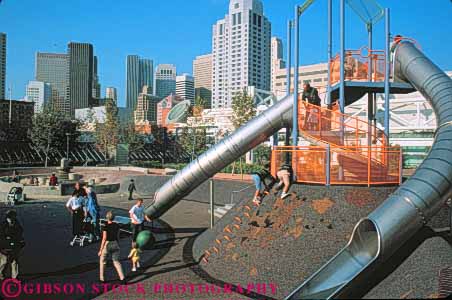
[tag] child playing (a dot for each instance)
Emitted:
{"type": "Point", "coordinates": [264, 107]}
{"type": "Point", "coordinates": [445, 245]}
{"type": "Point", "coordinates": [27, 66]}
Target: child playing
{"type": "Point", "coordinates": [135, 256]}
{"type": "Point", "coordinates": [264, 182]}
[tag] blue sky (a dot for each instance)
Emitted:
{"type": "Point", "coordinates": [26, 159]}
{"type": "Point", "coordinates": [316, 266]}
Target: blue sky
{"type": "Point", "coordinates": [177, 31]}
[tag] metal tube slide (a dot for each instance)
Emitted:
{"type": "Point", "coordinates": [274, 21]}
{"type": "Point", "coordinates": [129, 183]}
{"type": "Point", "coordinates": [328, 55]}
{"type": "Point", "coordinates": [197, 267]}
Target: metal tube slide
{"type": "Point", "coordinates": [221, 155]}
{"type": "Point", "coordinates": [377, 237]}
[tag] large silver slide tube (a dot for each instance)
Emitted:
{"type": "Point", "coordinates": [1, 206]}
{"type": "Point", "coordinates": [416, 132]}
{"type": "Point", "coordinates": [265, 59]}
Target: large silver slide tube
{"type": "Point", "coordinates": [405, 212]}
{"type": "Point", "coordinates": [221, 155]}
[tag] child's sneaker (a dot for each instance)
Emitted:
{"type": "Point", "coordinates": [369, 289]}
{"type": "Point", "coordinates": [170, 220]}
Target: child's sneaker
{"type": "Point", "coordinates": [134, 269]}
{"type": "Point", "coordinates": [138, 265]}
{"type": "Point", "coordinates": [284, 195]}
{"type": "Point", "coordinates": [257, 200]}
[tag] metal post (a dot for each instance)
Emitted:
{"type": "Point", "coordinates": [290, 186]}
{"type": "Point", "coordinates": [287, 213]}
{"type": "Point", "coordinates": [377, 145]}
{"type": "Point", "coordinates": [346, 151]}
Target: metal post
{"type": "Point", "coordinates": [342, 54]}
{"type": "Point", "coordinates": [67, 146]}
{"type": "Point", "coordinates": [387, 72]}
{"type": "Point", "coordinates": [212, 204]}
{"type": "Point", "coordinates": [370, 109]}
{"type": "Point", "coordinates": [328, 165]}
{"type": "Point", "coordinates": [295, 83]}
{"type": "Point", "coordinates": [289, 67]}
{"type": "Point", "coordinates": [330, 51]}
{"type": "Point", "coordinates": [10, 107]}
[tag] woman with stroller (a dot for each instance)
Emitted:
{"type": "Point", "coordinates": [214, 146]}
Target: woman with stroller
{"type": "Point", "coordinates": [75, 208]}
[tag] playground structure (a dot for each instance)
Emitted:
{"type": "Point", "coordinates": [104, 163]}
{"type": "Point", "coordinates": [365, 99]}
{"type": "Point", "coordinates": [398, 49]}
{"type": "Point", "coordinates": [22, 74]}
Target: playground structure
{"type": "Point", "coordinates": [346, 150]}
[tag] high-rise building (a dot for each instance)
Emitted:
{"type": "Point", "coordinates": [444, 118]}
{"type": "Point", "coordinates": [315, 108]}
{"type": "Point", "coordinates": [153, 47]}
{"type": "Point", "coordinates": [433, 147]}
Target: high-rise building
{"type": "Point", "coordinates": [146, 111]}
{"type": "Point", "coordinates": [16, 120]}
{"type": "Point", "coordinates": [40, 93]}
{"type": "Point", "coordinates": [277, 56]}
{"type": "Point", "coordinates": [2, 64]}
{"type": "Point", "coordinates": [112, 93]}
{"type": "Point", "coordinates": [202, 71]}
{"type": "Point", "coordinates": [53, 68]}
{"type": "Point", "coordinates": [185, 87]}
{"type": "Point", "coordinates": [241, 51]}
{"type": "Point", "coordinates": [140, 73]}
{"type": "Point", "coordinates": [165, 80]}
{"type": "Point", "coordinates": [96, 83]}
{"type": "Point", "coordinates": [81, 75]}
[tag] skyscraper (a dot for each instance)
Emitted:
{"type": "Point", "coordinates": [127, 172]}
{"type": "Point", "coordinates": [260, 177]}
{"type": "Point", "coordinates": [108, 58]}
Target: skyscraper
{"type": "Point", "coordinates": [2, 64]}
{"type": "Point", "coordinates": [146, 110]}
{"type": "Point", "coordinates": [140, 73]}
{"type": "Point", "coordinates": [96, 83]}
{"type": "Point", "coordinates": [112, 93]}
{"type": "Point", "coordinates": [81, 75]}
{"type": "Point", "coordinates": [241, 51]}
{"type": "Point", "coordinates": [202, 71]}
{"type": "Point", "coordinates": [277, 61]}
{"type": "Point", "coordinates": [40, 93]}
{"type": "Point", "coordinates": [185, 87]}
{"type": "Point", "coordinates": [53, 68]}
{"type": "Point", "coordinates": [165, 80]}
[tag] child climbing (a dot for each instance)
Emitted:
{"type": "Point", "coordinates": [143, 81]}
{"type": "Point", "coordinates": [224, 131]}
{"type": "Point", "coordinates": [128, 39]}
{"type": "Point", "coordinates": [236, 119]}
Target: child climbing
{"type": "Point", "coordinates": [264, 182]}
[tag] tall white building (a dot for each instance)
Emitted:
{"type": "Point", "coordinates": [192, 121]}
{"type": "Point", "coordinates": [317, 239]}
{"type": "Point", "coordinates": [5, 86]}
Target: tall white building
{"type": "Point", "coordinates": [165, 80]}
{"type": "Point", "coordinates": [241, 51]}
{"type": "Point", "coordinates": [40, 93]}
{"type": "Point", "coordinates": [202, 71]}
{"type": "Point", "coordinates": [277, 56]}
{"type": "Point", "coordinates": [185, 87]}
{"type": "Point", "coordinates": [112, 93]}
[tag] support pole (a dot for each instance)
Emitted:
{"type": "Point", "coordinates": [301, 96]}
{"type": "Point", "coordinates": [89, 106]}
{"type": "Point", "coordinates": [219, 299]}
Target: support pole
{"type": "Point", "coordinates": [328, 165]}
{"type": "Point", "coordinates": [370, 108]}
{"type": "Point", "coordinates": [297, 62]}
{"type": "Point", "coordinates": [387, 73]}
{"type": "Point", "coordinates": [212, 204]}
{"type": "Point", "coordinates": [289, 67]}
{"type": "Point", "coordinates": [342, 54]}
{"type": "Point", "coordinates": [330, 51]}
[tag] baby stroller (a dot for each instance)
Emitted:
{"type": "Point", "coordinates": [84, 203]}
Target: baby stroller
{"type": "Point", "coordinates": [14, 195]}
{"type": "Point", "coordinates": [86, 234]}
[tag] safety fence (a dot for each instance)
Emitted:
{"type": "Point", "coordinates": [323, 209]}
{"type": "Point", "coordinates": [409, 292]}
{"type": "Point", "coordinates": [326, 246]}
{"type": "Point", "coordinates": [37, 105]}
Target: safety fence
{"type": "Point", "coordinates": [337, 129]}
{"type": "Point", "coordinates": [333, 165]}
{"type": "Point", "coordinates": [356, 66]}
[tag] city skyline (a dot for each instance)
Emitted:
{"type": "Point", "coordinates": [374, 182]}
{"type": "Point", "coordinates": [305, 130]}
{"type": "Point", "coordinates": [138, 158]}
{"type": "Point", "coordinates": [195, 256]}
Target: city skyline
{"type": "Point", "coordinates": [22, 48]}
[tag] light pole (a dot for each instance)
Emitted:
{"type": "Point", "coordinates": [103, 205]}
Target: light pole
{"type": "Point", "coordinates": [67, 145]}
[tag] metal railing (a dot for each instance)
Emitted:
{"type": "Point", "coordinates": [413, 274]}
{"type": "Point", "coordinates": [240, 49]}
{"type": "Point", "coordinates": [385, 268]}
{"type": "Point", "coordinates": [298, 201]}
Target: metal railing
{"type": "Point", "coordinates": [356, 65]}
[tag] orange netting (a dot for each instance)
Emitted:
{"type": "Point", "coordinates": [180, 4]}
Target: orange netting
{"type": "Point", "coordinates": [356, 66]}
{"type": "Point", "coordinates": [347, 165]}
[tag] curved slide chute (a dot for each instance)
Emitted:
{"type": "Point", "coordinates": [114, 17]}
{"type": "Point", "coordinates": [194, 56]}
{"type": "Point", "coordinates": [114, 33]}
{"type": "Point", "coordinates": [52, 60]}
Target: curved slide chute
{"type": "Point", "coordinates": [379, 236]}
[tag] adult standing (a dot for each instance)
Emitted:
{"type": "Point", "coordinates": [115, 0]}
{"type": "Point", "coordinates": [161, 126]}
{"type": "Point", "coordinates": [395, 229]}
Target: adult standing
{"type": "Point", "coordinates": [311, 95]}
{"type": "Point", "coordinates": [138, 217]}
{"type": "Point", "coordinates": [11, 243]}
{"type": "Point", "coordinates": [75, 208]}
{"type": "Point", "coordinates": [110, 247]}
{"type": "Point", "coordinates": [92, 209]}
{"type": "Point", "coordinates": [131, 189]}
{"type": "Point", "coordinates": [78, 191]}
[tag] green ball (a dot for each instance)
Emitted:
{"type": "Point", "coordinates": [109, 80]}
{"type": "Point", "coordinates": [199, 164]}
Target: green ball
{"type": "Point", "coordinates": [145, 239]}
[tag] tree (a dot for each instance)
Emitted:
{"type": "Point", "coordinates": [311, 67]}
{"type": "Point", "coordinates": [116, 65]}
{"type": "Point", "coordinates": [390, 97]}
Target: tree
{"type": "Point", "coordinates": [107, 134]}
{"type": "Point", "coordinates": [51, 131]}
{"type": "Point", "coordinates": [132, 138]}
{"type": "Point", "coordinates": [243, 109]}
{"type": "Point", "coordinates": [199, 106]}
{"type": "Point", "coordinates": [193, 140]}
